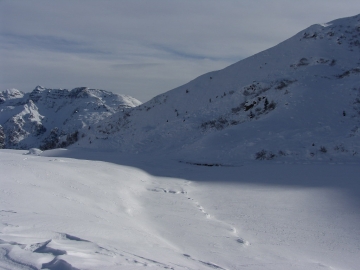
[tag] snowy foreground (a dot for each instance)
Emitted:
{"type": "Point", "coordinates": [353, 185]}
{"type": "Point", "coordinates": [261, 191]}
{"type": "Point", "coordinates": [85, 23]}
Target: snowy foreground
{"type": "Point", "coordinates": [68, 209]}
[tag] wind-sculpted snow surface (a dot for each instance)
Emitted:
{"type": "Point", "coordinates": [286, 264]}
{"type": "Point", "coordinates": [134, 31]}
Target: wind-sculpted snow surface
{"type": "Point", "coordinates": [57, 212]}
{"type": "Point", "coordinates": [50, 118]}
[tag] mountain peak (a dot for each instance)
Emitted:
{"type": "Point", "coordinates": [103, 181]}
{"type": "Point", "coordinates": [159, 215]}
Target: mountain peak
{"type": "Point", "coordinates": [10, 94]}
{"type": "Point", "coordinates": [48, 118]}
{"type": "Point", "coordinates": [39, 88]}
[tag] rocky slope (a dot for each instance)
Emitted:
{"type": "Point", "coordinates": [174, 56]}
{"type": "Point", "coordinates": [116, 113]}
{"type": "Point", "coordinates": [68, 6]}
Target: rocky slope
{"type": "Point", "coordinates": [50, 118]}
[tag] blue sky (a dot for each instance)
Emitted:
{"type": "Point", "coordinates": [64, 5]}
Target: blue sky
{"type": "Point", "coordinates": [143, 48]}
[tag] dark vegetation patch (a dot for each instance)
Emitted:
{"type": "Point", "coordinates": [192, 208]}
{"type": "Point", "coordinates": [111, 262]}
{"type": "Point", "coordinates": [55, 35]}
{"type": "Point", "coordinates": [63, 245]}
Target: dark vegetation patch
{"type": "Point", "coordinates": [205, 164]}
{"type": "Point", "coordinates": [302, 62]}
{"type": "Point", "coordinates": [260, 105]}
{"type": "Point", "coordinates": [268, 155]}
{"type": "Point", "coordinates": [53, 140]}
{"type": "Point", "coordinates": [348, 73]}
{"type": "Point", "coordinates": [284, 83]}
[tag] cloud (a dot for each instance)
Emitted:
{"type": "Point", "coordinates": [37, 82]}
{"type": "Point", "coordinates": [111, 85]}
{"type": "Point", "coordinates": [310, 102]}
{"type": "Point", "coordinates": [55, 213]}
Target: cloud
{"type": "Point", "coordinates": [143, 48]}
{"type": "Point", "coordinates": [178, 53]}
{"type": "Point", "coordinates": [50, 43]}
{"type": "Point", "coordinates": [135, 66]}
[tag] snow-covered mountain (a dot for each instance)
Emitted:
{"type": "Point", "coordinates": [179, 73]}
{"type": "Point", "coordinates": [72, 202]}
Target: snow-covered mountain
{"type": "Point", "coordinates": [50, 118]}
{"type": "Point", "coordinates": [299, 99]}
{"type": "Point", "coordinates": [100, 204]}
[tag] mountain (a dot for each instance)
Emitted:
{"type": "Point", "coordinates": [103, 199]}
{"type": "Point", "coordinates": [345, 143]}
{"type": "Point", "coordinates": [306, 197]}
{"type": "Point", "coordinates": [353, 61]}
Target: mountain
{"type": "Point", "coordinates": [51, 118]}
{"type": "Point", "coordinates": [298, 100]}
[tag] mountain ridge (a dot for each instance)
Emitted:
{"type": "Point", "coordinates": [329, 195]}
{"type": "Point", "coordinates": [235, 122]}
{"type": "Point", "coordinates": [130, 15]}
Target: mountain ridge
{"type": "Point", "coordinates": [49, 118]}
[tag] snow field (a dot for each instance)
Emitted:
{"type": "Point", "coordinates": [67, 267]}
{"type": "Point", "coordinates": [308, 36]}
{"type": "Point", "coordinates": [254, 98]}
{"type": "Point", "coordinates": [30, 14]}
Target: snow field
{"type": "Point", "coordinates": [58, 211]}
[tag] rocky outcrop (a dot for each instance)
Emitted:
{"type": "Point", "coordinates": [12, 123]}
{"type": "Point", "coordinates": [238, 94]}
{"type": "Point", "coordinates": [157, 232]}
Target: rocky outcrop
{"type": "Point", "coordinates": [2, 138]}
{"type": "Point", "coordinates": [50, 118]}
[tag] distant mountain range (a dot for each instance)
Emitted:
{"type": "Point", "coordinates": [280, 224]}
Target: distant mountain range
{"type": "Point", "coordinates": [299, 100]}
{"type": "Point", "coordinates": [52, 118]}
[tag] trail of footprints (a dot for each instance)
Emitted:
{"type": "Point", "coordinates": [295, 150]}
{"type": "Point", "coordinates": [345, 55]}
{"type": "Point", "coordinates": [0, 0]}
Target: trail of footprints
{"type": "Point", "coordinates": [201, 209]}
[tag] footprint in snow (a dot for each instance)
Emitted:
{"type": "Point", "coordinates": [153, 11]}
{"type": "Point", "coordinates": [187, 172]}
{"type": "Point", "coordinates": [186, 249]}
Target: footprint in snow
{"type": "Point", "coordinates": [202, 210]}
{"type": "Point", "coordinates": [165, 190]}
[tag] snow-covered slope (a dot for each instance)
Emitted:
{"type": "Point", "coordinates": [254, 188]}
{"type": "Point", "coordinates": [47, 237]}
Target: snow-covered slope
{"type": "Point", "coordinates": [49, 118]}
{"type": "Point", "coordinates": [299, 99]}
{"type": "Point", "coordinates": [59, 211]}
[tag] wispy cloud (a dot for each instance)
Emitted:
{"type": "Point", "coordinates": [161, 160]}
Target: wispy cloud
{"type": "Point", "coordinates": [183, 54]}
{"type": "Point", "coordinates": [136, 66]}
{"type": "Point", "coordinates": [143, 48]}
{"type": "Point", "coordinates": [48, 42]}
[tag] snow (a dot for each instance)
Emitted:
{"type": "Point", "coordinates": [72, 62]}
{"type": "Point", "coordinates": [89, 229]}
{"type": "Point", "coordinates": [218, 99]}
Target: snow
{"type": "Point", "coordinates": [96, 210]}
{"type": "Point", "coordinates": [255, 166]}
{"type": "Point", "coordinates": [34, 151]}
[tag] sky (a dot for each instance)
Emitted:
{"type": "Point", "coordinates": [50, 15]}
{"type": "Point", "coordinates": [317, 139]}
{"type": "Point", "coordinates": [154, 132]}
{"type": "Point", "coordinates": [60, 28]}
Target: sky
{"type": "Point", "coordinates": [143, 48]}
